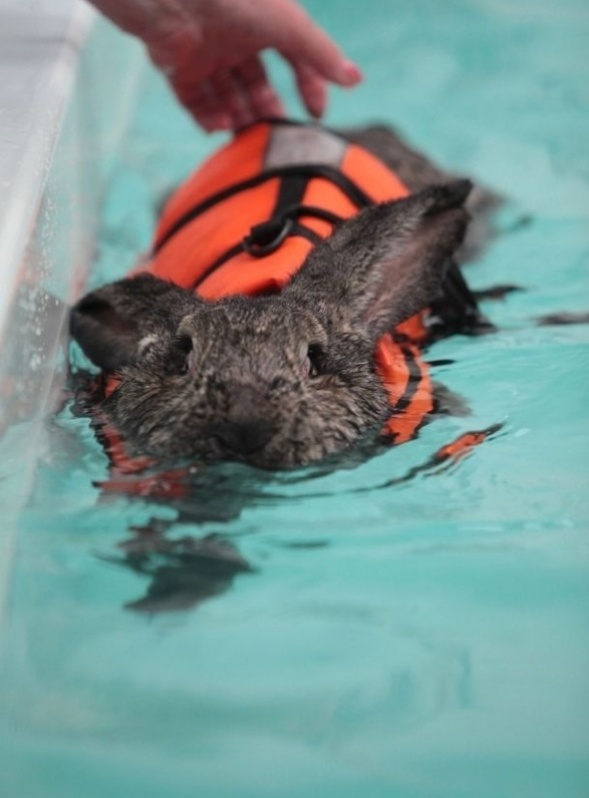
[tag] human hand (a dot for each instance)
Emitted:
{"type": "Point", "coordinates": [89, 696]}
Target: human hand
{"type": "Point", "coordinates": [210, 52]}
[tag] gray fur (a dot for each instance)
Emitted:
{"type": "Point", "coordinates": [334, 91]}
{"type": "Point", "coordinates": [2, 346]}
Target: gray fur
{"type": "Point", "coordinates": [281, 380]}
{"type": "Point", "coordinates": [414, 169]}
{"type": "Point", "coordinates": [418, 172]}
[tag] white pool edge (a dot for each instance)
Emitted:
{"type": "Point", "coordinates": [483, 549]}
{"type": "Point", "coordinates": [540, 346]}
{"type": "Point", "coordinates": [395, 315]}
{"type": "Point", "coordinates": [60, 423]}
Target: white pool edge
{"type": "Point", "coordinates": [30, 164]}
{"type": "Point", "coordinates": [59, 123]}
{"type": "Point", "coordinates": [23, 177]}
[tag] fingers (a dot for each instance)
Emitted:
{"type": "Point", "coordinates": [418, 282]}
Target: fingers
{"type": "Point", "coordinates": [227, 91]}
{"type": "Point", "coordinates": [210, 52]}
{"type": "Point", "coordinates": [303, 42]}
{"type": "Point", "coordinates": [204, 105]}
{"type": "Point", "coordinates": [329, 64]}
{"type": "Point", "coordinates": [262, 98]}
{"type": "Point", "coordinates": [231, 98]}
{"type": "Point", "coordinates": [212, 59]}
{"type": "Point", "coordinates": [314, 58]}
{"type": "Point", "coordinates": [312, 89]}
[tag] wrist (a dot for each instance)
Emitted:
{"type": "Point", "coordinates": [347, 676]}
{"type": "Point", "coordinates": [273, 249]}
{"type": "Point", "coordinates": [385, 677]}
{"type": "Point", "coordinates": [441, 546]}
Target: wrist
{"type": "Point", "coordinates": [146, 19]}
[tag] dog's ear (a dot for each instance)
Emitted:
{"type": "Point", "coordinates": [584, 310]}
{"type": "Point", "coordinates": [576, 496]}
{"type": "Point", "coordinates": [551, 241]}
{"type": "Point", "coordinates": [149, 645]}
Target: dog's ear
{"type": "Point", "coordinates": [387, 263]}
{"type": "Point", "coordinates": [114, 324]}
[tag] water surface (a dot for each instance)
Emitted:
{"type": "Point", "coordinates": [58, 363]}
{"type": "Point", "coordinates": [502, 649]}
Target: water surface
{"type": "Point", "coordinates": [429, 638]}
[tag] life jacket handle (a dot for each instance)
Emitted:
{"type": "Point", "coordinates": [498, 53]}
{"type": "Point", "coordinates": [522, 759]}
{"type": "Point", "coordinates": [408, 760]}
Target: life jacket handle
{"type": "Point", "coordinates": [265, 238]}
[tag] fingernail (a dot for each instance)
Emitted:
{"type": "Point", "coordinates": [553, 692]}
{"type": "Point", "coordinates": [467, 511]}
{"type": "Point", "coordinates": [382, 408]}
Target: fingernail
{"type": "Point", "coordinates": [351, 73]}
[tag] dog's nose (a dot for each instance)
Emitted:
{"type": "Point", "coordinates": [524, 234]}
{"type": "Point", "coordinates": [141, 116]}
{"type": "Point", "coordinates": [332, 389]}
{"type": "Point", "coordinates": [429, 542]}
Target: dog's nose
{"type": "Point", "coordinates": [245, 437]}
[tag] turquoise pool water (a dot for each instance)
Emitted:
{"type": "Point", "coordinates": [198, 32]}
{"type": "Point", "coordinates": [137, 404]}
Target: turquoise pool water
{"type": "Point", "coordinates": [427, 639]}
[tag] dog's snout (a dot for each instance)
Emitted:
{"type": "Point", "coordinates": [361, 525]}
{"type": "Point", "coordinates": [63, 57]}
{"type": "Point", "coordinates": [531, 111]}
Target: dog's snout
{"type": "Point", "coordinates": [245, 437]}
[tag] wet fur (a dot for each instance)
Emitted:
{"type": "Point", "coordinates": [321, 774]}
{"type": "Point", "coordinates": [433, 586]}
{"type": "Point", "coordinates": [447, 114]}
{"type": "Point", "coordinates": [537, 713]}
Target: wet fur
{"type": "Point", "coordinates": [282, 380]}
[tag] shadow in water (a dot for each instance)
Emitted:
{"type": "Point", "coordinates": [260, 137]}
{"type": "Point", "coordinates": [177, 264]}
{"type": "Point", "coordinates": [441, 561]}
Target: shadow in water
{"type": "Point", "coordinates": [183, 571]}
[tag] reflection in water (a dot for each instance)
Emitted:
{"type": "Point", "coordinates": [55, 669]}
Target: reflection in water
{"type": "Point", "coordinates": [183, 572]}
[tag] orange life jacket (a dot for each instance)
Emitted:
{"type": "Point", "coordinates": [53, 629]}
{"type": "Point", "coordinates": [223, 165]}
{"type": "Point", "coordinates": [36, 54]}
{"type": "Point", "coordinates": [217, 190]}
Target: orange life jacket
{"type": "Point", "coordinates": [245, 221]}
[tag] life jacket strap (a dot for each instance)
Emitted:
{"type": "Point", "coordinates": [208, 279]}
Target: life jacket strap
{"type": "Point", "coordinates": [265, 238]}
{"type": "Point", "coordinates": [307, 171]}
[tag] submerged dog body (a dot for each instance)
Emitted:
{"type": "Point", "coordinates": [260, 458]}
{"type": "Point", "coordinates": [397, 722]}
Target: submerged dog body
{"type": "Point", "coordinates": [287, 328]}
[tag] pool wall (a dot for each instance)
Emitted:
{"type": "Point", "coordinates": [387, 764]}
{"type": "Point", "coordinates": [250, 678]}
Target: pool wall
{"type": "Point", "coordinates": [64, 113]}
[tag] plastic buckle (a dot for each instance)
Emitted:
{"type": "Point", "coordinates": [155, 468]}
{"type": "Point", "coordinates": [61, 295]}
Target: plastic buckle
{"type": "Point", "coordinates": [267, 237]}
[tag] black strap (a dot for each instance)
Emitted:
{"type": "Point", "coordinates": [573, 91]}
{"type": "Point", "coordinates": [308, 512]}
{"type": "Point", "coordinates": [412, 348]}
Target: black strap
{"type": "Point", "coordinates": [290, 194]}
{"type": "Point", "coordinates": [456, 309]}
{"type": "Point", "coordinates": [413, 380]}
{"type": "Point", "coordinates": [283, 222]}
{"type": "Point", "coordinates": [304, 171]}
{"type": "Point", "coordinates": [293, 229]}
